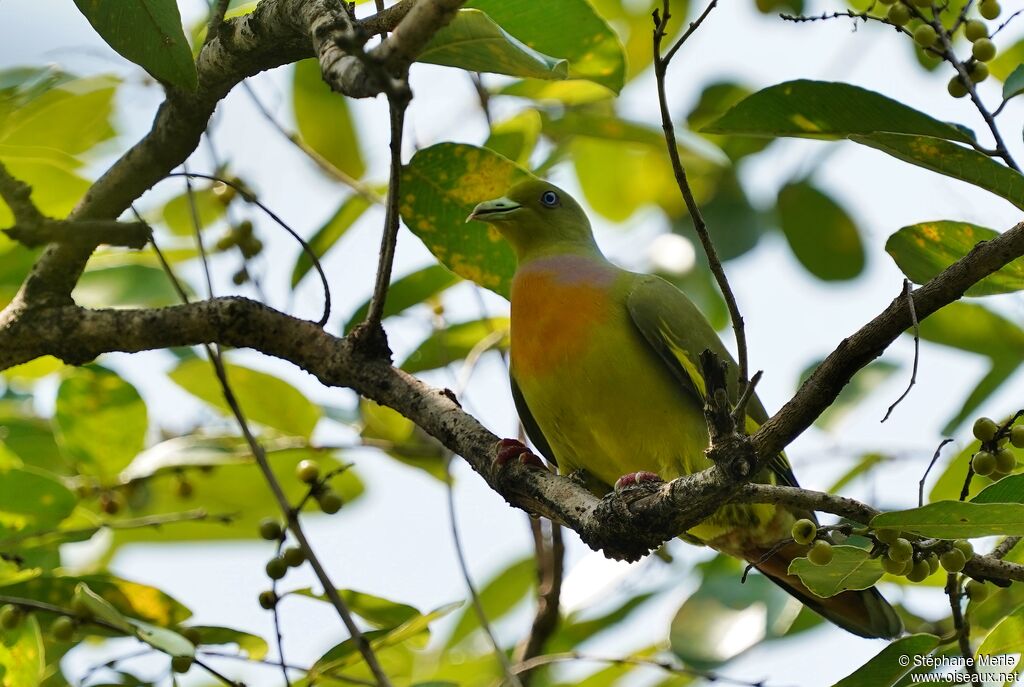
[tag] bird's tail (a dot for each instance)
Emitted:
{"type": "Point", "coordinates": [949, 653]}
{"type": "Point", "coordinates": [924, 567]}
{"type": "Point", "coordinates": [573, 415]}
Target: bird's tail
{"type": "Point", "coordinates": [865, 613]}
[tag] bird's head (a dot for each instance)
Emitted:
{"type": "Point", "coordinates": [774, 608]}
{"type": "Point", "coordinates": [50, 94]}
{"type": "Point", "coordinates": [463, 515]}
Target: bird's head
{"type": "Point", "coordinates": [537, 218]}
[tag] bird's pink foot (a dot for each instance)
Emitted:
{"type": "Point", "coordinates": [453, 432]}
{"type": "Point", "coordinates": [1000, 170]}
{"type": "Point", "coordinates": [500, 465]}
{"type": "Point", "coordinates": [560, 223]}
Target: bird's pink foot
{"type": "Point", "coordinates": [511, 449]}
{"type": "Point", "coordinates": [635, 478]}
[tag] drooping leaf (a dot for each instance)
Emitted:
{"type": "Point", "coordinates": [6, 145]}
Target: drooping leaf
{"type": "Point", "coordinates": [99, 607]}
{"type": "Point", "coordinates": [100, 420]}
{"type": "Point", "coordinates": [408, 291]}
{"type": "Point", "coordinates": [31, 500]}
{"type": "Point", "coordinates": [568, 29]}
{"type": "Point", "coordinates": [952, 160]}
{"type": "Point", "coordinates": [253, 645]}
{"type": "Point", "coordinates": [827, 110]}
{"type": "Point", "coordinates": [499, 595]}
{"type": "Point", "coordinates": [147, 32]}
{"type": "Point", "coordinates": [126, 286]}
{"type": "Point", "coordinates": [163, 639]}
{"type": "Point", "coordinates": [440, 187]}
{"type": "Point", "coordinates": [516, 137]}
{"type": "Point", "coordinates": [1014, 84]}
{"type": "Point", "coordinates": [350, 210]}
{"type": "Point", "coordinates": [923, 250]}
{"type": "Point", "coordinates": [324, 121]}
{"type": "Point", "coordinates": [822, 235]}
{"type": "Point", "coordinates": [851, 568]}
{"type": "Point", "coordinates": [890, 664]}
{"type": "Point", "coordinates": [957, 519]}
{"type": "Point", "coordinates": [474, 42]}
{"type": "Point", "coordinates": [376, 610]}
{"type": "Point", "coordinates": [264, 398]}
{"type": "Point", "coordinates": [456, 342]}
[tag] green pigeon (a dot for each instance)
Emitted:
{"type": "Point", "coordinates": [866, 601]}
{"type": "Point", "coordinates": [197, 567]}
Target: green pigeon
{"type": "Point", "coordinates": [605, 377]}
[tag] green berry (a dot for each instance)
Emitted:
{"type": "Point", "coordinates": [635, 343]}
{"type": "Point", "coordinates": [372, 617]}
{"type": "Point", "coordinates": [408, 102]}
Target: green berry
{"type": "Point", "coordinates": [919, 571]}
{"type": "Point", "coordinates": [933, 563]}
{"type": "Point", "coordinates": [226, 242]}
{"type": "Point", "coordinates": [887, 535]}
{"type": "Point", "coordinates": [925, 35]}
{"type": "Point", "coordinates": [977, 591]}
{"type": "Point", "coordinates": [804, 531]}
{"type": "Point", "coordinates": [1017, 436]}
{"type": "Point", "coordinates": [886, 2]}
{"type": "Point", "coordinates": [268, 600]}
{"type": "Point", "coordinates": [956, 87]}
{"type": "Point", "coordinates": [276, 568]}
{"type": "Point", "coordinates": [901, 550]}
{"type": "Point", "coordinates": [270, 529]}
{"type": "Point", "coordinates": [978, 71]}
{"type": "Point", "coordinates": [11, 616]}
{"type": "Point", "coordinates": [898, 14]}
{"type": "Point", "coordinates": [1005, 460]}
{"type": "Point", "coordinates": [922, 3]}
{"type": "Point", "coordinates": [63, 629]}
{"type": "Point", "coordinates": [893, 567]}
{"type": "Point", "coordinates": [293, 556]}
{"type": "Point", "coordinates": [240, 277]}
{"type": "Point", "coordinates": [192, 635]}
{"type": "Point", "coordinates": [985, 429]}
{"type": "Point", "coordinates": [953, 560]}
{"type": "Point", "coordinates": [984, 463]}
{"type": "Point", "coordinates": [983, 49]}
{"type": "Point", "coordinates": [820, 553]}
{"type": "Point", "coordinates": [965, 547]}
{"type": "Point", "coordinates": [975, 29]}
{"type": "Point", "coordinates": [181, 664]}
{"type": "Point", "coordinates": [989, 9]}
{"type": "Point", "coordinates": [307, 471]}
{"type": "Point", "coordinates": [329, 501]}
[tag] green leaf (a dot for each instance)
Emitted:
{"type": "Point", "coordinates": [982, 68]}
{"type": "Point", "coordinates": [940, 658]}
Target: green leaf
{"type": "Point", "coordinates": [722, 606]}
{"type": "Point", "coordinates": [402, 439]}
{"type": "Point", "coordinates": [863, 466]}
{"type": "Point", "coordinates": [458, 341]}
{"type": "Point", "coordinates": [715, 100]}
{"type": "Point", "coordinates": [890, 664]}
{"type": "Point", "coordinates": [163, 639]}
{"type": "Point", "coordinates": [568, 29]}
{"type": "Point", "coordinates": [440, 187]}
{"type": "Point", "coordinates": [851, 568]}
{"type": "Point", "coordinates": [559, 92]}
{"type": "Point", "coordinates": [100, 608]}
{"type": "Point", "coordinates": [324, 121]}
{"type": "Point", "coordinates": [827, 110]}
{"type": "Point", "coordinates": [147, 32]}
{"type": "Point", "coordinates": [867, 379]}
{"type": "Point", "coordinates": [32, 500]}
{"type": "Point", "coordinates": [22, 659]}
{"type": "Point", "coordinates": [949, 484]}
{"type": "Point", "coordinates": [822, 235]}
{"type": "Point", "coordinates": [177, 212]}
{"type": "Point", "coordinates": [376, 610]}
{"type": "Point", "coordinates": [952, 160]}
{"type": "Point", "coordinates": [499, 595]}
{"type": "Point", "coordinates": [254, 646]}
{"type": "Point", "coordinates": [1007, 60]}
{"type": "Point", "coordinates": [735, 226]}
{"type": "Point", "coordinates": [957, 520]}
{"type": "Point", "coordinates": [1005, 638]}
{"type": "Point", "coordinates": [126, 286]}
{"type": "Point", "coordinates": [573, 631]}
{"type": "Point", "coordinates": [100, 420]}
{"type": "Point", "coordinates": [1009, 489]}
{"type": "Point", "coordinates": [472, 41]}
{"type": "Point", "coordinates": [351, 209]}
{"type": "Point", "coordinates": [264, 398]}
{"type": "Point", "coordinates": [923, 250]}
{"type": "Point", "coordinates": [1014, 84]}
{"type": "Point", "coordinates": [408, 291]}
{"type": "Point", "coordinates": [516, 137]}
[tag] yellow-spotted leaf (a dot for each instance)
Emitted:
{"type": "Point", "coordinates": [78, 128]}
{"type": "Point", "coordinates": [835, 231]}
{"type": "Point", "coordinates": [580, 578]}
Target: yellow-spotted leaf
{"type": "Point", "coordinates": [851, 568]}
{"type": "Point", "coordinates": [440, 187]}
{"type": "Point", "coordinates": [22, 660]}
{"type": "Point", "coordinates": [923, 250]}
{"type": "Point", "coordinates": [957, 519]}
{"type": "Point", "coordinates": [32, 500]}
{"type": "Point", "coordinates": [474, 42]}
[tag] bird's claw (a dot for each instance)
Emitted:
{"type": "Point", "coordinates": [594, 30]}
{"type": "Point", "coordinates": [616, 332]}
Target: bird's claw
{"type": "Point", "coordinates": [635, 478]}
{"type": "Point", "coordinates": [512, 449]}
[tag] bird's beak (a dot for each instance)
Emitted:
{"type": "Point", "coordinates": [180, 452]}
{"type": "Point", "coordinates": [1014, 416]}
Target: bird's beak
{"type": "Point", "coordinates": [493, 210]}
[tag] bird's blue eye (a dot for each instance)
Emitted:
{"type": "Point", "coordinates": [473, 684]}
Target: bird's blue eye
{"type": "Point", "coordinates": [549, 198]}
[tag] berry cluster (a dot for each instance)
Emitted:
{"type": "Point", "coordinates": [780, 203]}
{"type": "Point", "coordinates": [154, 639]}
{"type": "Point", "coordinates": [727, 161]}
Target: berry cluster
{"type": "Point", "coordinates": [995, 459]}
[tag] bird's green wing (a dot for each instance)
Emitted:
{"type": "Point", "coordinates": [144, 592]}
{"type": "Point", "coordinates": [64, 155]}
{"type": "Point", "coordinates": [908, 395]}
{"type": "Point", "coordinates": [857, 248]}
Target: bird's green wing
{"type": "Point", "coordinates": [530, 424]}
{"type": "Point", "coordinates": [678, 332]}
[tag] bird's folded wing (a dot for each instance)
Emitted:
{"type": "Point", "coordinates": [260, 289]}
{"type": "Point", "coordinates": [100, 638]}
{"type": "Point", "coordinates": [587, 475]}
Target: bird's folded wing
{"type": "Point", "coordinates": [678, 332]}
{"type": "Point", "coordinates": [530, 424]}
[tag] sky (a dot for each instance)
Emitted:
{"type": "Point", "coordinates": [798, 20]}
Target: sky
{"type": "Point", "coordinates": [395, 542]}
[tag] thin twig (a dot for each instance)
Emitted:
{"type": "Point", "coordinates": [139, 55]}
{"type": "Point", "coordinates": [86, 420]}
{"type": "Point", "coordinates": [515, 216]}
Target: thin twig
{"type": "Point", "coordinates": [250, 198]}
{"type": "Point", "coordinates": [920, 485]}
{"type": "Point", "coordinates": [1006, 23]}
{"type": "Point", "coordinates": [197, 228]}
{"type": "Point", "coordinates": [660, 67]}
{"type": "Point", "coordinates": [1005, 547]}
{"type": "Point", "coordinates": [340, 677]}
{"type": "Point", "coordinates": [277, 620]}
{"type": "Point", "coordinates": [217, 674]}
{"type": "Point", "coordinates": [549, 551]}
{"type": "Point", "coordinates": [474, 597]}
{"type": "Point", "coordinates": [908, 293]}
{"type": "Point", "coordinates": [389, 237]}
{"type": "Point", "coordinates": [962, 629]}
{"type": "Point", "coordinates": [217, 12]}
